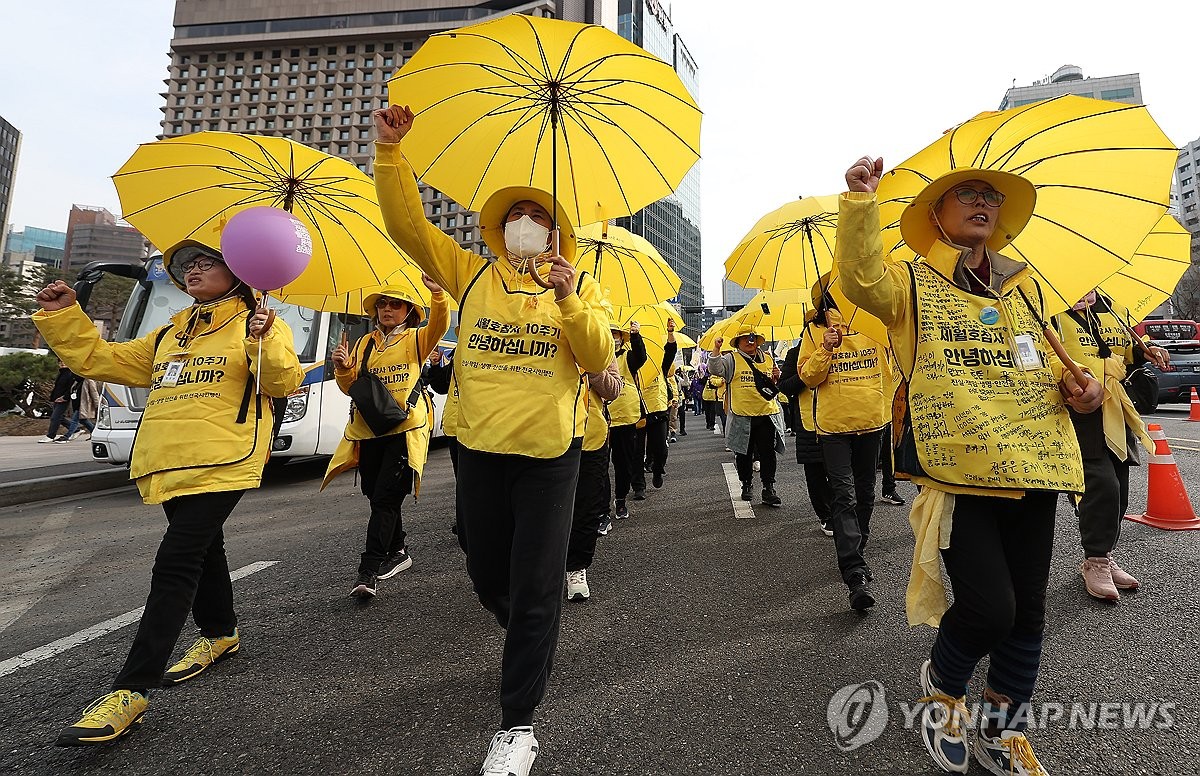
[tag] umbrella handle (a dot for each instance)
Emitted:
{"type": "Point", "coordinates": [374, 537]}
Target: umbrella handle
{"type": "Point", "coordinates": [533, 265]}
{"type": "Point", "coordinates": [1068, 362]}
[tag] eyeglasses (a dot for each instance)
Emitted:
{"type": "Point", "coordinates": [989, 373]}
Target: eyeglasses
{"type": "Point", "coordinates": [204, 264]}
{"type": "Point", "coordinates": [968, 196]}
{"type": "Point", "coordinates": [387, 301]}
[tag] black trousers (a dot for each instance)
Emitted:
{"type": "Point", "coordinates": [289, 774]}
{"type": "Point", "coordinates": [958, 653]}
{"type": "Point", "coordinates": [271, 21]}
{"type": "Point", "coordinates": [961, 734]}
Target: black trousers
{"type": "Point", "coordinates": [592, 496]}
{"type": "Point", "coordinates": [683, 413]}
{"type": "Point", "coordinates": [712, 409]}
{"type": "Point", "coordinates": [999, 566]}
{"type": "Point", "coordinates": [385, 478]}
{"type": "Point", "coordinates": [762, 448]}
{"type": "Point", "coordinates": [1102, 507]}
{"type": "Point", "coordinates": [627, 467]}
{"type": "Point", "coordinates": [652, 443]}
{"type": "Point", "coordinates": [820, 493]}
{"type": "Point", "coordinates": [850, 467]}
{"type": "Point", "coordinates": [516, 513]}
{"type": "Point", "coordinates": [190, 573]}
{"type": "Point", "coordinates": [887, 464]}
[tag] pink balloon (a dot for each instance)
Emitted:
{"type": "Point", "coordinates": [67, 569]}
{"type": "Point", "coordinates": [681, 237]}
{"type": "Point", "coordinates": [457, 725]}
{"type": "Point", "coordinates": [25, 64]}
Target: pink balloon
{"type": "Point", "coordinates": [265, 247]}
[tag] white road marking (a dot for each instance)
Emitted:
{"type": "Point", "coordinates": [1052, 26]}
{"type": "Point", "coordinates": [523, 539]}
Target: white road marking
{"type": "Point", "coordinates": [26, 659]}
{"type": "Point", "coordinates": [741, 509]}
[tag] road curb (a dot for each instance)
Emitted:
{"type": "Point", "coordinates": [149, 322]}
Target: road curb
{"type": "Point", "coordinates": [43, 488]}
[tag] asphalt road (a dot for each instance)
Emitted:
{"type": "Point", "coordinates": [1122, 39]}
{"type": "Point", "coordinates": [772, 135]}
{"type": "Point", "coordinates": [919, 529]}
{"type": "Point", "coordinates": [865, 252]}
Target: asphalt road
{"type": "Point", "coordinates": [711, 645]}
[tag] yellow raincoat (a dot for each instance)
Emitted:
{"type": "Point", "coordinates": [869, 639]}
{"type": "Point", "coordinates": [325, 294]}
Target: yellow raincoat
{"type": "Point", "coordinates": [189, 440]}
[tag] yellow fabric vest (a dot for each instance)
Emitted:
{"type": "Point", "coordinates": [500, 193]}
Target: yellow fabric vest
{"type": "Point", "coordinates": [744, 398]}
{"type": "Point", "coordinates": [654, 394]}
{"type": "Point", "coordinates": [595, 433]}
{"type": "Point", "coordinates": [978, 419]}
{"type": "Point", "coordinates": [450, 408]}
{"type": "Point", "coordinates": [188, 440]}
{"type": "Point", "coordinates": [626, 409]}
{"type": "Point", "coordinates": [714, 389]}
{"type": "Point", "coordinates": [1082, 346]}
{"type": "Point", "coordinates": [398, 365]}
{"type": "Point", "coordinates": [851, 400]}
{"type": "Point", "coordinates": [520, 389]}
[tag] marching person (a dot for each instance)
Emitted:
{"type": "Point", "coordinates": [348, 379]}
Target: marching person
{"type": "Point", "coordinates": [593, 494]}
{"type": "Point", "coordinates": [60, 400]}
{"type": "Point", "coordinates": [652, 437]}
{"type": "Point", "coordinates": [1094, 335]}
{"type": "Point", "coordinates": [845, 371]}
{"type": "Point", "coordinates": [987, 437]}
{"type": "Point", "coordinates": [390, 461]}
{"type": "Point", "coordinates": [698, 393]}
{"type": "Point", "coordinates": [808, 449]}
{"type": "Point", "coordinates": [714, 403]}
{"type": "Point", "coordinates": [522, 399]}
{"type": "Point", "coordinates": [85, 399]}
{"type": "Point", "coordinates": [755, 429]}
{"type": "Point", "coordinates": [203, 440]}
{"type": "Point", "coordinates": [625, 414]}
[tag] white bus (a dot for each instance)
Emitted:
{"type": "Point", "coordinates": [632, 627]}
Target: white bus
{"type": "Point", "coordinates": [316, 414]}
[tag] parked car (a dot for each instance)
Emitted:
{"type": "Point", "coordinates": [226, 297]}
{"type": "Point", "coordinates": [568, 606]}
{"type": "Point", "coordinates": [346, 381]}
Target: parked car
{"type": "Point", "coordinates": [1168, 329]}
{"type": "Point", "coordinates": [1175, 383]}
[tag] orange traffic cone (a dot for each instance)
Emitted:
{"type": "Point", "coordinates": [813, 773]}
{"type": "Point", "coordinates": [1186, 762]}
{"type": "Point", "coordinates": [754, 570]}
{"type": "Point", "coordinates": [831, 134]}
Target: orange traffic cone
{"type": "Point", "coordinates": [1167, 505]}
{"type": "Point", "coordinates": [1195, 413]}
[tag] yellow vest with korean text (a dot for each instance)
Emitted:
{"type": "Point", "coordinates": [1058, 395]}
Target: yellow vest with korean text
{"type": "Point", "coordinates": [626, 409]}
{"type": "Point", "coordinates": [851, 398]}
{"type": "Point", "coordinates": [978, 419]}
{"type": "Point", "coordinates": [744, 398]}
{"type": "Point", "coordinates": [398, 365]}
{"type": "Point", "coordinates": [1082, 346]}
{"type": "Point", "coordinates": [654, 394]}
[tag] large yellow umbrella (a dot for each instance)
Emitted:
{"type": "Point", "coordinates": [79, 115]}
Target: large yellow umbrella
{"type": "Point", "coordinates": [628, 268]}
{"type": "Point", "coordinates": [408, 278]}
{"type": "Point", "coordinates": [568, 108]}
{"type": "Point", "coordinates": [788, 248]}
{"type": "Point", "coordinates": [187, 188]}
{"type": "Point", "coordinates": [652, 320]}
{"type": "Point", "coordinates": [1102, 172]}
{"type": "Point", "coordinates": [1155, 270]}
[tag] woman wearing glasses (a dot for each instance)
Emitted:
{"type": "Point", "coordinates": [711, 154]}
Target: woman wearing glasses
{"type": "Point", "coordinates": [987, 436]}
{"type": "Point", "coordinates": [389, 463]}
{"type": "Point", "coordinates": [203, 441]}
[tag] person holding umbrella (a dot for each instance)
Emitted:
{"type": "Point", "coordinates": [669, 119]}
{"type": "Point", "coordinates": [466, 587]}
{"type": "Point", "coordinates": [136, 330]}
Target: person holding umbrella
{"type": "Point", "coordinates": [390, 462]}
{"type": "Point", "coordinates": [204, 438]}
{"type": "Point", "coordinates": [755, 431]}
{"type": "Point", "coordinates": [625, 414]}
{"type": "Point", "coordinates": [520, 365]}
{"type": "Point", "coordinates": [652, 438]}
{"type": "Point", "coordinates": [1093, 334]}
{"type": "Point", "coordinates": [987, 436]}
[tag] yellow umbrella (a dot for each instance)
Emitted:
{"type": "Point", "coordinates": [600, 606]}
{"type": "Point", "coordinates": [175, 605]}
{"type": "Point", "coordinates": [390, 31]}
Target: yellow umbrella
{"type": "Point", "coordinates": [776, 315]}
{"type": "Point", "coordinates": [1155, 270]}
{"type": "Point", "coordinates": [628, 268]}
{"type": "Point", "coordinates": [652, 319]}
{"type": "Point", "coordinates": [568, 108]}
{"type": "Point", "coordinates": [708, 340]}
{"type": "Point", "coordinates": [407, 278]}
{"type": "Point", "coordinates": [1102, 172]}
{"type": "Point", "coordinates": [853, 317]}
{"type": "Point", "coordinates": [187, 188]}
{"type": "Point", "coordinates": [788, 248]}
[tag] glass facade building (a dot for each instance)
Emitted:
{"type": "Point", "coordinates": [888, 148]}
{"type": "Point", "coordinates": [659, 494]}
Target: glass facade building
{"type": "Point", "coordinates": [672, 225]}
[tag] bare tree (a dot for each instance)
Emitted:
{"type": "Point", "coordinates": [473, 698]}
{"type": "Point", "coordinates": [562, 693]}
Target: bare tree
{"type": "Point", "coordinates": [1187, 294]}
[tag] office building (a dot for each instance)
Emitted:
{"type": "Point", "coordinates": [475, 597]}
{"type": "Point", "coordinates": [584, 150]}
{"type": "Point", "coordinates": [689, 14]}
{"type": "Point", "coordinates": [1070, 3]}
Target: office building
{"type": "Point", "coordinates": [10, 148]}
{"type": "Point", "coordinates": [1069, 79]}
{"type": "Point", "coordinates": [672, 225]}
{"type": "Point", "coordinates": [1187, 188]}
{"type": "Point", "coordinates": [733, 295]}
{"type": "Point", "coordinates": [313, 70]}
{"type": "Point", "coordinates": [93, 233]}
{"type": "Point", "coordinates": [34, 245]}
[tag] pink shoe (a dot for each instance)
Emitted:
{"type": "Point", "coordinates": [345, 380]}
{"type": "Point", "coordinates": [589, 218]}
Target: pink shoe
{"type": "Point", "coordinates": [1098, 579]}
{"type": "Point", "coordinates": [1122, 578]}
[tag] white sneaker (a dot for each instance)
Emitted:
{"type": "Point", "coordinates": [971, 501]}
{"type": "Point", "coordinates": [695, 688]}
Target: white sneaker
{"type": "Point", "coordinates": [757, 466]}
{"type": "Point", "coordinates": [717, 430]}
{"type": "Point", "coordinates": [942, 722]}
{"type": "Point", "coordinates": [577, 586]}
{"type": "Point", "coordinates": [511, 754]}
{"type": "Point", "coordinates": [45, 440]}
{"type": "Point", "coordinates": [1008, 755]}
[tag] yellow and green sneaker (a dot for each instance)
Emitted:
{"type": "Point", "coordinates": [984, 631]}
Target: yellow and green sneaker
{"type": "Point", "coordinates": [201, 655]}
{"type": "Point", "coordinates": [107, 719]}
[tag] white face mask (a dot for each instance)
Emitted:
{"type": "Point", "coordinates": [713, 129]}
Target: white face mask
{"type": "Point", "coordinates": [525, 238]}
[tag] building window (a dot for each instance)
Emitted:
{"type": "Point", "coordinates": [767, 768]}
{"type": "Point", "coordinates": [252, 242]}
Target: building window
{"type": "Point", "coordinates": [257, 69]}
{"type": "Point", "coordinates": [324, 135]}
{"type": "Point", "coordinates": [1116, 94]}
{"type": "Point", "coordinates": [389, 61]}
{"type": "Point", "coordinates": [343, 149]}
{"type": "Point", "coordinates": [1184, 182]}
{"type": "Point", "coordinates": [362, 148]}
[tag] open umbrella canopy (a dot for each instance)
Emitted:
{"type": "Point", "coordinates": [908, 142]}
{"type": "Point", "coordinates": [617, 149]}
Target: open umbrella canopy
{"type": "Point", "coordinates": [652, 319]}
{"type": "Point", "coordinates": [1155, 270]}
{"type": "Point", "coordinates": [629, 269]}
{"type": "Point", "coordinates": [407, 278]}
{"type": "Point", "coordinates": [788, 248]}
{"type": "Point", "coordinates": [187, 188]}
{"type": "Point", "coordinates": [1102, 172]}
{"type": "Point", "coordinates": [572, 109]}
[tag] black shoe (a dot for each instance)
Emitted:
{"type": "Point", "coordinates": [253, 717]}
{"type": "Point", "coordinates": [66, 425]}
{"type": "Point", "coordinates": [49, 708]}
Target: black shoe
{"type": "Point", "coordinates": [639, 495]}
{"type": "Point", "coordinates": [891, 497]}
{"type": "Point", "coordinates": [827, 528]}
{"type": "Point", "coordinates": [682, 433]}
{"type": "Point", "coordinates": [395, 563]}
{"type": "Point", "coordinates": [647, 467]}
{"type": "Point", "coordinates": [747, 492]}
{"type": "Point", "coordinates": [622, 510]}
{"type": "Point", "coordinates": [771, 498]}
{"type": "Point", "coordinates": [605, 524]}
{"type": "Point", "coordinates": [860, 593]}
{"type": "Point", "coordinates": [364, 586]}
{"type": "Point", "coordinates": [658, 480]}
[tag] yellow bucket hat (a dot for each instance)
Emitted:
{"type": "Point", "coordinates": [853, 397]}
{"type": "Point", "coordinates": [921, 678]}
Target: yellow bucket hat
{"type": "Point", "coordinates": [495, 210]}
{"type": "Point", "coordinates": [920, 233]}
{"type": "Point", "coordinates": [395, 292]}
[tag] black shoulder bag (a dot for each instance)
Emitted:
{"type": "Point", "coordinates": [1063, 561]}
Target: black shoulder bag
{"type": "Point", "coordinates": [763, 384]}
{"type": "Point", "coordinates": [375, 402]}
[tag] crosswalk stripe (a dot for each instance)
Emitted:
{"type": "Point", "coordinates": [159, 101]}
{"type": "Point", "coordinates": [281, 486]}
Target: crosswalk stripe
{"type": "Point", "coordinates": [741, 509]}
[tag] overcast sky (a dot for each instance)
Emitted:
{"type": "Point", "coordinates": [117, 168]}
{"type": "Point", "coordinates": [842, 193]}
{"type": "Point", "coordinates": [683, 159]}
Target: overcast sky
{"type": "Point", "coordinates": [792, 91]}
